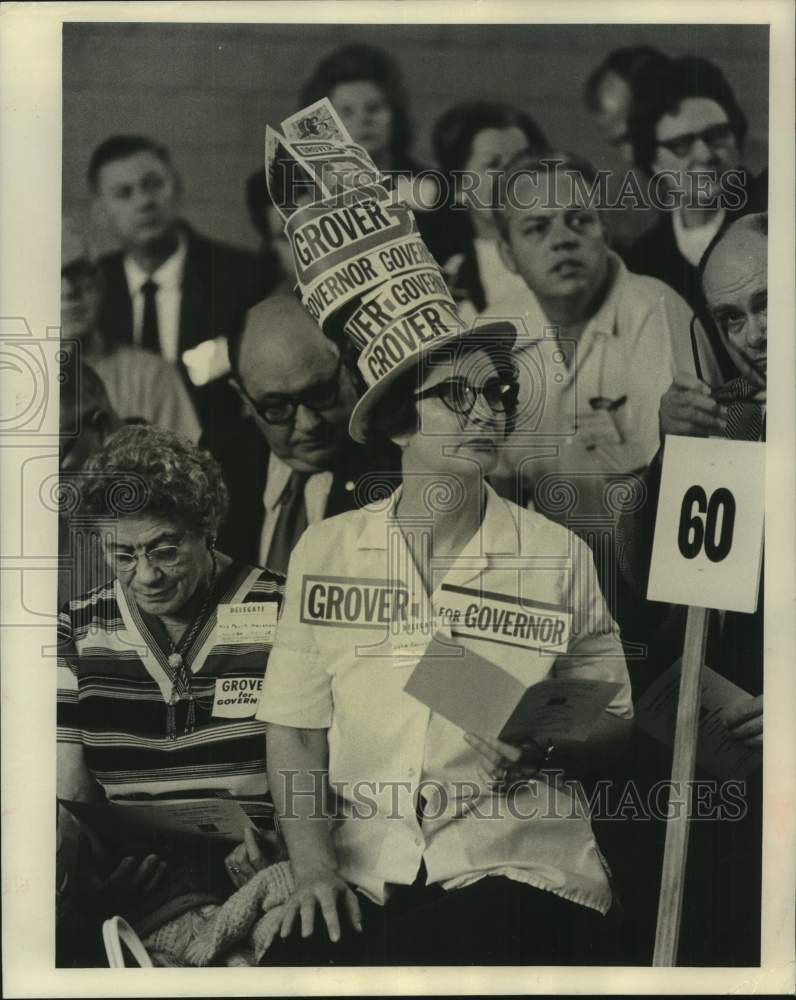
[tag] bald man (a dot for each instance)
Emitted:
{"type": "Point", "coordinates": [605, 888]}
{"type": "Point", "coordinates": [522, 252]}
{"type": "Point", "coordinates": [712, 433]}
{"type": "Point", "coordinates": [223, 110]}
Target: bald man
{"type": "Point", "coordinates": [734, 279]}
{"type": "Point", "coordinates": [292, 463]}
{"type": "Point", "coordinates": [721, 918]}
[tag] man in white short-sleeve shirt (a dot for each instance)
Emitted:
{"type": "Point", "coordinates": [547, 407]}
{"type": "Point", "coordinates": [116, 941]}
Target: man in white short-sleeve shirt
{"type": "Point", "coordinates": [598, 345]}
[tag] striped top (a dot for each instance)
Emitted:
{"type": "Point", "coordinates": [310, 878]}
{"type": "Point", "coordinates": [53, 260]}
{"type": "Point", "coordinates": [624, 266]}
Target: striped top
{"type": "Point", "coordinates": [115, 683]}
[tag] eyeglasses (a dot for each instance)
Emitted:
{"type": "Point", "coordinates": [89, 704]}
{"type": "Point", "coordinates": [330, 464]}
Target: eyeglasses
{"type": "Point", "coordinates": [716, 136]}
{"type": "Point", "coordinates": [276, 408]}
{"type": "Point", "coordinates": [460, 397]}
{"type": "Point", "coordinates": [160, 557]}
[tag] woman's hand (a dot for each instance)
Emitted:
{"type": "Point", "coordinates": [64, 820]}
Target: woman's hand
{"type": "Point", "coordinates": [325, 889]}
{"type": "Point", "coordinates": [255, 852]}
{"type": "Point", "coordinates": [503, 763]}
{"type": "Point", "coordinates": [744, 721]}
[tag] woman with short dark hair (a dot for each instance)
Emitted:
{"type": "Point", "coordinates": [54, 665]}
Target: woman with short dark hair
{"type": "Point", "coordinates": [688, 133]}
{"type": "Point", "coordinates": [159, 672]}
{"type": "Point", "coordinates": [412, 841]}
{"type": "Point", "coordinates": [472, 143]}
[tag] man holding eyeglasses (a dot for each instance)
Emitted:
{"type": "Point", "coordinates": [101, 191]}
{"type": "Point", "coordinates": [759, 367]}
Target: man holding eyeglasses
{"type": "Point", "coordinates": [688, 133]}
{"type": "Point", "coordinates": [292, 464]}
{"type": "Point", "coordinates": [721, 919]}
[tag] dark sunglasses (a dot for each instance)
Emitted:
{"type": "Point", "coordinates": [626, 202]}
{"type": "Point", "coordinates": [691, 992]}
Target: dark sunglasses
{"type": "Point", "coordinates": [715, 136]}
{"type": "Point", "coordinates": [459, 396]}
{"type": "Point", "coordinates": [276, 408]}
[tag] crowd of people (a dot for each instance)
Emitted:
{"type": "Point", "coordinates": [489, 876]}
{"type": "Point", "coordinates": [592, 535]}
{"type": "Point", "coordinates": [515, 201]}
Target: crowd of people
{"type": "Point", "coordinates": [239, 490]}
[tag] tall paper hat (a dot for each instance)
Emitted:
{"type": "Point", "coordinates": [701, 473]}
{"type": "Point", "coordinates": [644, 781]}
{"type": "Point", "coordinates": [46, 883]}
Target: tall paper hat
{"type": "Point", "coordinates": [362, 270]}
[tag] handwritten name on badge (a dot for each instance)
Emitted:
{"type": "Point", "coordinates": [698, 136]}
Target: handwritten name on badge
{"type": "Point", "coordinates": [504, 618]}
{"type": "Point", "coordinates": [236, 697]}
{"type": "Point", "coordinates": [247, 623]}
{"type": "Point", "coordinates": [352, 603]}
{"type": "Point", "coordinates": [411, 640]}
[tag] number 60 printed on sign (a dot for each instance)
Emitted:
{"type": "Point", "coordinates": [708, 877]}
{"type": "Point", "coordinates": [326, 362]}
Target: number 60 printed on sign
{"type": "Point", "coordinates": [709, 530]}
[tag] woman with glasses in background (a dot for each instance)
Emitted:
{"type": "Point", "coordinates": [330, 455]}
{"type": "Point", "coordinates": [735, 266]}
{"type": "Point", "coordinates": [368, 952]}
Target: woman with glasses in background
{"type": "Point", "coordinates": [428, 856]}
{"type": "Point", "coordinates": [159, 674]}
{"type": "Point", "coordinates": [688, 132]}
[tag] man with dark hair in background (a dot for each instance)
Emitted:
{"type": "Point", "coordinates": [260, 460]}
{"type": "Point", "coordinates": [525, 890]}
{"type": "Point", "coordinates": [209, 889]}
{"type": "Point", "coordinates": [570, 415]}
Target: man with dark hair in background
{"type": "Point", "coordinates": [168, 289]}
{"type": "Point", "coordinates": [292, 463]}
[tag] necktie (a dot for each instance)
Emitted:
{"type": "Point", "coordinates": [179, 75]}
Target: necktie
{"type": "Point", "coordinates": [150, 334]}
{"type": "Point", "coordinates": [744, 413]}
{"type": "Point", "coordinates": [290, 524]}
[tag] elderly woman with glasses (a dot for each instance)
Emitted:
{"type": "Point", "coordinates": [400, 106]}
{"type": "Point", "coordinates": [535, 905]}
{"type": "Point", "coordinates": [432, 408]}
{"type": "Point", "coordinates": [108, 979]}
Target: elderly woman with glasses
{"type": "Point", "coordinates": [411, 840]}
{"type": "Point", "coordinates": [160, 669]}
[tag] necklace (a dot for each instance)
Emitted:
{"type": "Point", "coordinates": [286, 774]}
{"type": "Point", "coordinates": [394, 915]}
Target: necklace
{"type": "Point", "coordinates": [181, 682]}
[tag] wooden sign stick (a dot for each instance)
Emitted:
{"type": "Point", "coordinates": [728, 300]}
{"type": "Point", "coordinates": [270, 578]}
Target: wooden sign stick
{"type": "Point", "coordinates": [675, 854]}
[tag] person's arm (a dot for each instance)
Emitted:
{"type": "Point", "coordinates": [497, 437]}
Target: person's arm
{"type": "Point", "coordinates": [105, 886]}
{"type": "Point", "coordinates": [297, 776]}
{"type": "Point", "coordinates": [506, 763]}
{"type": "Point", "coordinates": [296, 704]}
{"type": "Point", "coordinates": [73, 780]}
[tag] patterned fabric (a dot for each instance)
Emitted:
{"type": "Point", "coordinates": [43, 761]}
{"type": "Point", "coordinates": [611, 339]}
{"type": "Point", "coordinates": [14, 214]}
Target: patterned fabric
{"type": "Point", "coordinates": [114, 684]}
{"type": "Point", "coordinates": [238, 932]}
{"type": "Point", "coordinates": [745, 415]}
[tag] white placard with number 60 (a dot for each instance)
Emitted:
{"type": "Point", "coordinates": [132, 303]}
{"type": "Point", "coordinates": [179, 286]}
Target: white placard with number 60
{"type": "Point", "coordinates": [708, 543]}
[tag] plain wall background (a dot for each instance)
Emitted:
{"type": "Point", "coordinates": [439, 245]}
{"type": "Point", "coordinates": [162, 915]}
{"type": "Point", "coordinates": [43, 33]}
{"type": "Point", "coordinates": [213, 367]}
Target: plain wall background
{"type": "Point", "coordinates": [207, 91]}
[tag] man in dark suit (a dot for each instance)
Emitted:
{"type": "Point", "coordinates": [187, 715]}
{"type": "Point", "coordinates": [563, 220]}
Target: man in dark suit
{"type": "Point", "coordinates": [292, 463]}
{"type": "Point", "coordinates": [169, 289]}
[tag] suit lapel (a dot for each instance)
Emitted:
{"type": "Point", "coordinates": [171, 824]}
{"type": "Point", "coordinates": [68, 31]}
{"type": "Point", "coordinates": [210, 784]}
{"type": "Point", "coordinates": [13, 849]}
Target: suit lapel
{"type": "Point", "coordinates": [356, 468]}
{"type": "Point", "coordinates": [194, 320]}
{"type": "Point", "coordinates": [116, 315]}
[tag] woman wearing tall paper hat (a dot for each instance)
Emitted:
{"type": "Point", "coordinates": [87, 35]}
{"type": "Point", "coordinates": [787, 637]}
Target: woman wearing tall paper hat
{"type": "Point", "coordinates": [414, 840]}
{"type": "Point", "coordinates": [158, 674]}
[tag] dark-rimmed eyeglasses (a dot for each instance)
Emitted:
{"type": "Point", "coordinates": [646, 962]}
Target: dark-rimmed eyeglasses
{"type": "Point", "coordinates": [159, 557]}
{"type": "Point", "coordinates": [278, 408]}
{"type": "Point", "coordinates": [716, 136]}
{"type": "Point", "coordinates": [500, 395]}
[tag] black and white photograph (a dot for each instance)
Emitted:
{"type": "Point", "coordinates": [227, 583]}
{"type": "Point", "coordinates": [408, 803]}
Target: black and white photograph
{"type": "Point", "coordinates": [397, 561]}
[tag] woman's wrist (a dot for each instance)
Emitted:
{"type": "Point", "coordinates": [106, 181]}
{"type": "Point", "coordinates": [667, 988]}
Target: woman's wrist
{"type": "Point", "coordinates": [303, 874]}
{"type": "Point", "coordinates": [308, 863]}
